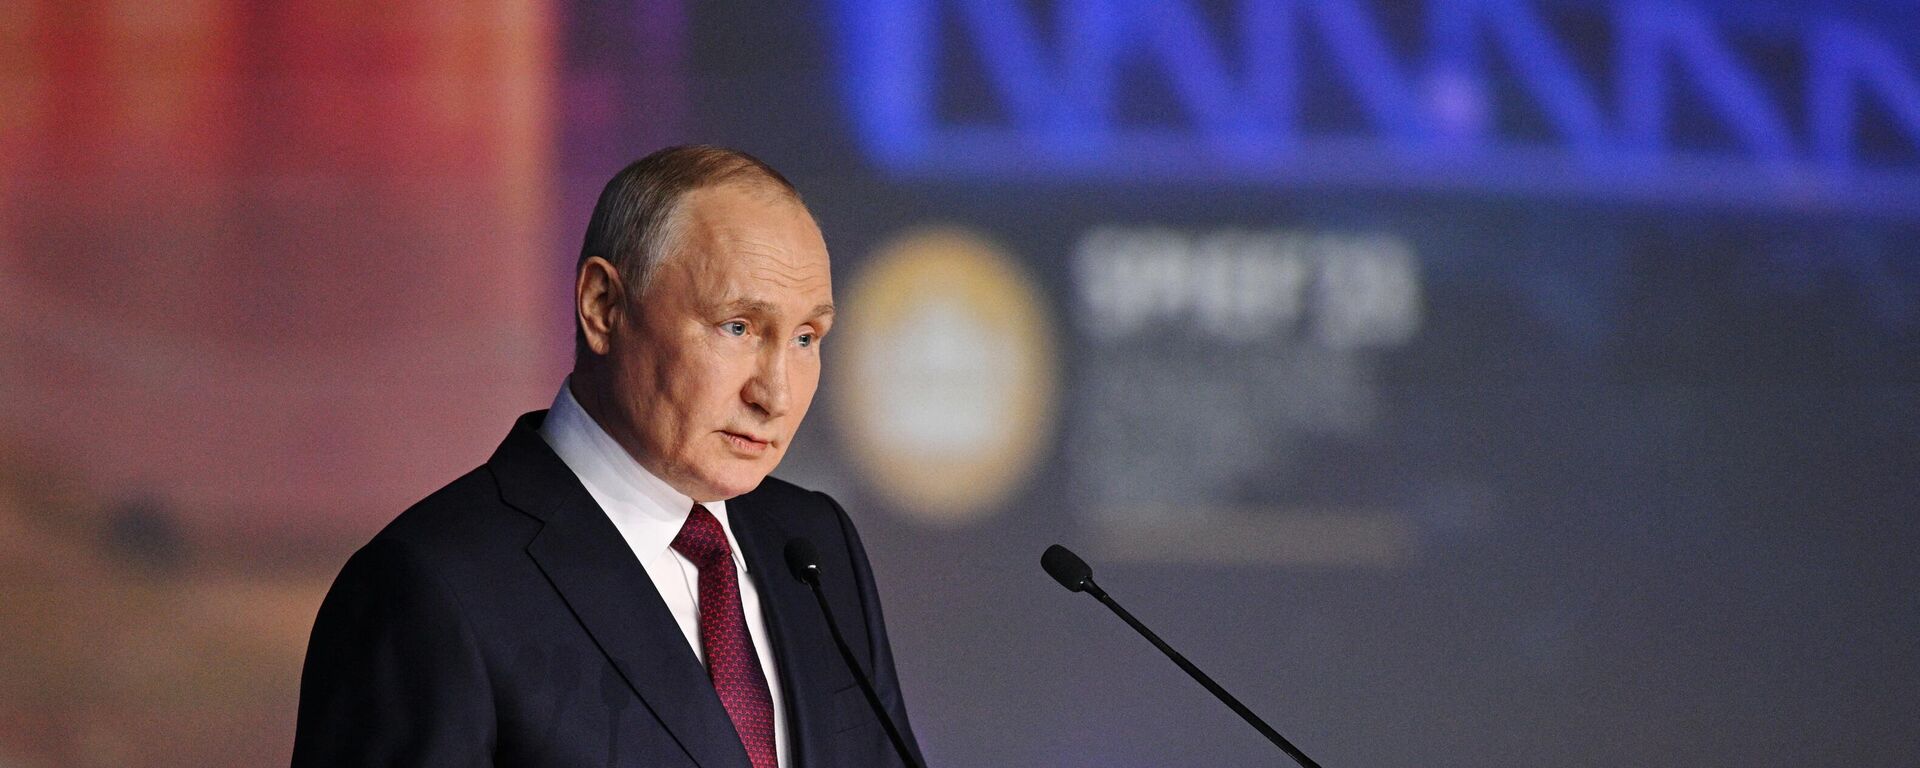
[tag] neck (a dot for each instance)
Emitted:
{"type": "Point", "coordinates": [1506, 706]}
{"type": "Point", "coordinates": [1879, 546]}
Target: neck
{"type": "Point", "coordinates": [589, 389]}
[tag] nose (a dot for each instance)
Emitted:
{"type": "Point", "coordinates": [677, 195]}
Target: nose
{"type": "Point", "coordinates": [767, 389]}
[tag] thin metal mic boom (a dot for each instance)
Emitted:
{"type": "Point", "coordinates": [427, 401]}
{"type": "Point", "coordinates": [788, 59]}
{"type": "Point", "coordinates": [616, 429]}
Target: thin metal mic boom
{"type": "Point", "coordinates": [804, 562]}
{"type": "Point", "coordinates": [1074, 574]}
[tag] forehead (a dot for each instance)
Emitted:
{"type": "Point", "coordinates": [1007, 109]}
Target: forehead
{"type": "Point", "coordinates": [742, 238]}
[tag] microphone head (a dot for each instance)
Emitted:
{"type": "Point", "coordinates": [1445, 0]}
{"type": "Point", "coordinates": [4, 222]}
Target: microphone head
{"type": "Point", "coordinates": [1067, 568]}
{"type": "Point", "coordinates": [803, 561]}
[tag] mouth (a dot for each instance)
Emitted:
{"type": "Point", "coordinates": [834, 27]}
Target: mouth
{"type": "Point", "coordinates": [746, 444]}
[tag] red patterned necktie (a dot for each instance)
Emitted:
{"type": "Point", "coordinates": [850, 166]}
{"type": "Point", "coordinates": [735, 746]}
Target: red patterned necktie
{"type": "Point", "coordinates": [731, 660]}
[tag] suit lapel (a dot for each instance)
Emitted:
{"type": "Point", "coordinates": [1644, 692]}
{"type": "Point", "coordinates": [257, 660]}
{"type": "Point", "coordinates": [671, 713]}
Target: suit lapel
{"type": "Point", "coordinates": [584, 556]}
{"type": "Point", "coordinates": [800, 639]}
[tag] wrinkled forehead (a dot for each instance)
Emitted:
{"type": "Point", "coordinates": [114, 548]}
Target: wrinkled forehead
{"type": "Point", "coordinates": [749, 237]}
{"type": "Point", "coordinates": [743, 211]}
{"type": "Point", "coordinates": [743, 192]}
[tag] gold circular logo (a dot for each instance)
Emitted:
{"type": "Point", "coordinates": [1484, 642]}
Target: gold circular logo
{"type": "Point", "coordinates": [945, 390]}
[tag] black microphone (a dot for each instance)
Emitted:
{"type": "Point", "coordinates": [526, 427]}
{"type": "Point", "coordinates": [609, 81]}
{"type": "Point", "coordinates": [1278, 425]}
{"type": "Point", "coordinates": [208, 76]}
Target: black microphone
{"type": "Point", "coordinates": [804, 562]}
{"type": "Point", "coordinates": [1074, 574]}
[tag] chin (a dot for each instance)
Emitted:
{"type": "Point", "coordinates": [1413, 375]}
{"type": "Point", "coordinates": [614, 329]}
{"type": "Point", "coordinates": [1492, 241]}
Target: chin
{"type": "Point", "coordinates": [736, 481]}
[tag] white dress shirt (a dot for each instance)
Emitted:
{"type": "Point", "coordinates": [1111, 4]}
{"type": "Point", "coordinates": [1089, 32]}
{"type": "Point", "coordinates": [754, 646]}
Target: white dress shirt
{"type": "Point", "coordinates": [649, 514]}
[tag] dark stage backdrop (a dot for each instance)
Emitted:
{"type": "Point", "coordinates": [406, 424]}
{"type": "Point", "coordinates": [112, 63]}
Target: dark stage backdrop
{"type": "Point", "coordinates": [1461, 382]}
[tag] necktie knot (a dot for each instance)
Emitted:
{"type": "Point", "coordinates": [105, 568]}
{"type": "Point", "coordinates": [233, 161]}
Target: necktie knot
{"type": "Point", "coordinates": [702, 541]}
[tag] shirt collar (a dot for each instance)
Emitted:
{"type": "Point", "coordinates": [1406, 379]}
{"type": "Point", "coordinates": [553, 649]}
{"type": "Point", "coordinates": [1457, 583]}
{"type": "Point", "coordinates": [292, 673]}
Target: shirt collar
{"type": "Point", "coordinates": [648, 512]}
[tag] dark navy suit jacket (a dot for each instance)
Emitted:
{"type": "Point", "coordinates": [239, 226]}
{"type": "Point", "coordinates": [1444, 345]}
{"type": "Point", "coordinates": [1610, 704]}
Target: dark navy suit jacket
{"type": "Point", "coordinates": [504, 621]}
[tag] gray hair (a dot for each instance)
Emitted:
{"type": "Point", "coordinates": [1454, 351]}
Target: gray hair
{"type": "Point", "coordinates": [636, 223]}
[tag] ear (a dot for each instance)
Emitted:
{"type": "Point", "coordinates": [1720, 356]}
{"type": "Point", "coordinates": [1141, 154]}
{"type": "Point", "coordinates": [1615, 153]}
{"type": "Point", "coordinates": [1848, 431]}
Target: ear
{"type": "Point", "coordinates": [598, 298]}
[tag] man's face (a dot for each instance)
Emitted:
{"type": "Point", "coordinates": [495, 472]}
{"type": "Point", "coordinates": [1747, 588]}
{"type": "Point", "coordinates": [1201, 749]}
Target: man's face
{"type": "Point", "coordinates": [715, 368]}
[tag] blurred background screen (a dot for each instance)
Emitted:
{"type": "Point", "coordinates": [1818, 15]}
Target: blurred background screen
{"type": "Point", "coordinates": [1461, 382]}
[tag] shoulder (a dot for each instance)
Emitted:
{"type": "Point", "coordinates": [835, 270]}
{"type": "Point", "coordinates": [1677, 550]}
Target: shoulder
{"type": "Point", "coordinates": [796, 508]}
{"type": "Point", "coordinates": [775, 491]}
{"type": "Point", "coordinates": [461, 526]}
{"type": "Point", "coordinates": [781, 511]}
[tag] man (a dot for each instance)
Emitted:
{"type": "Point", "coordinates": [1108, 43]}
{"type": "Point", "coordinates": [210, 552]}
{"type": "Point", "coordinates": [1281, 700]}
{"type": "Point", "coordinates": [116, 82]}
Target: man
{"type": "Point", "coordinates": [608, 589]}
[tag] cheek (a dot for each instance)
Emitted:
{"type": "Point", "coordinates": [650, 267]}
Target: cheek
{"type": "Point", "coordinates": [711, 394]}
{"type": "Point", "coordinates": [680, 404]}
{"type": "Point", "coordinates": [806, 381]}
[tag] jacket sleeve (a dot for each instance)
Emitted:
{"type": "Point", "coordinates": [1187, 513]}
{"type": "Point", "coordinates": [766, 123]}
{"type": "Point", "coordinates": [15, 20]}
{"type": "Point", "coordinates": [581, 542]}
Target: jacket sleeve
{"type": "Point", "coordinates": [886, 681]}
{"type": "Point", "coordinates": [393, 674]}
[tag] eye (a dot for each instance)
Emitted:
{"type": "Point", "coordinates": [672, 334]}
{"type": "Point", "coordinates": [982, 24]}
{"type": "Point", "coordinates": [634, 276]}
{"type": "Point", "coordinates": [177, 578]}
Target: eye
{"type": "Point", "coordinates": [807, 339]}
{"type": "Point", "coordinates": [734, 328]}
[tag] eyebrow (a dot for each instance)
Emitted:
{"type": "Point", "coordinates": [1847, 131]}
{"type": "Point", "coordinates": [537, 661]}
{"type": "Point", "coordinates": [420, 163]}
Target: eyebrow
{"type": "Point", "coordinates": [765, 308]}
